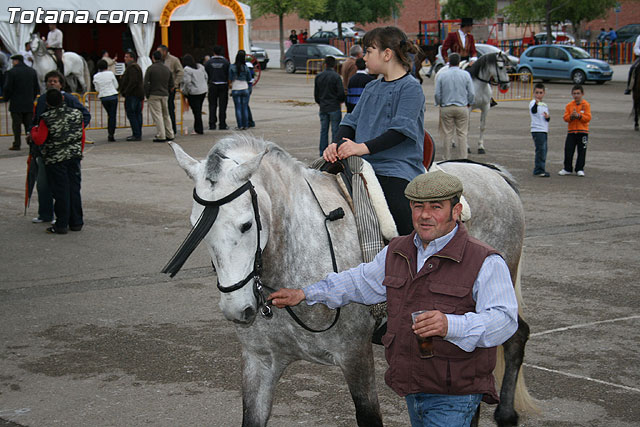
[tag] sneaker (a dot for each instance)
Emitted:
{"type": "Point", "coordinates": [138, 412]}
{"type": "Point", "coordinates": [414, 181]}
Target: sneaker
{"type": "Point", "coordinates": [543, 174]}
{"type": "Point", "coordinates": [38, 220]}
{"type": "Point", "coordinates": [580, 173]}
{"type": "Point", "coordinates": [564, 172]}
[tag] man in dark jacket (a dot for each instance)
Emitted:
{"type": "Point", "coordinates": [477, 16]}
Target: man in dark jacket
{"type": "Point", "coordinates": [217, 69]}
{"type": "Point", "coordinates": [329, 94]}
{"type": "Point", "coordinates": [60, 132]}
{"type": "Point", "coordinates": [356, 84]}
{"type": "Point", "coordinates": [54, 80]}
{"type": "Point", "coordinates": [158, 82]}
{"type": "Point", "coordinates": [133, 91]}
{"type": "Point", "coordinates": [458, 291]}
{"type": "Point", "coordinates": [20, 89]}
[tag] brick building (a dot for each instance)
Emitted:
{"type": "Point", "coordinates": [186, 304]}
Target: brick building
{"type": "Point", "coordinates": [265, 28]}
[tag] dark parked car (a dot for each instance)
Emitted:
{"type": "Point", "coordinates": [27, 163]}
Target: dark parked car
{"type": "Point", "coordinates": [628, 33]}
{"type": "Point", "coordinates": [563, 62]}
{"type": "Point", "coordinates": [295, 58]}
{"type": "Point", "coordinates": [322, 37]}
{"type": "Point", "coordinates": [261, 56]}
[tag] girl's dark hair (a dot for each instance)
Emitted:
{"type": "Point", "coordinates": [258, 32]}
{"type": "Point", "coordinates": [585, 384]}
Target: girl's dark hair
{"type": "Point", "coordinates": [102, 65]}
{"type": "Point", "coordinates": [241, 58]}
{"type": "Point", "coordinates": [188, 61]}
{"type": "Point", "coordinates": [392, 38]}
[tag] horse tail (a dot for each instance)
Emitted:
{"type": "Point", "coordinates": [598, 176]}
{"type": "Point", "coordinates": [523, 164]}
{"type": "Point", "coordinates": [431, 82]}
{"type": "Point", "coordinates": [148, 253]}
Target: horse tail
{"type": "Point", "coordinates": [523, 401]}
{"type": "Point", "coordinates": [87, 76]}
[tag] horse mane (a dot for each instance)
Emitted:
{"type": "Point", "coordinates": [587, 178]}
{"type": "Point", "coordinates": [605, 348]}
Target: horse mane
{"type": "Point", "coordinates": [488, 60]}
{"type": "Point", "coordinates": [247, 143]}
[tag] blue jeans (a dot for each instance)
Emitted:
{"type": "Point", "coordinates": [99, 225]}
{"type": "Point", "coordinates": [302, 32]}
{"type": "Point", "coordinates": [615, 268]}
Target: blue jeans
{"type": "Point", "coordinates": [540, 141]}
{"type": "Point", "coordinates": [334, 118]}
{"type": "Point", "coordinates": [45, 198]}
{"type": "Point", "coordinates": [133, 107]}
{"type": "Point", "coordinates": [441, 410]}
{"type": "Point", "coordinates": [110, 103]}
{"type": "Point", "coordinates": [241, 102]}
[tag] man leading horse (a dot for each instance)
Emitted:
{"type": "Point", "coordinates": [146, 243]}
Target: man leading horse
{"type": "Point", "coordinates": [465, 296]}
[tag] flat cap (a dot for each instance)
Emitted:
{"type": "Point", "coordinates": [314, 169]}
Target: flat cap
{"type": "Point", "coordinates": [433, 187]}
{"type": "Point", "coordinates": [17, 57]}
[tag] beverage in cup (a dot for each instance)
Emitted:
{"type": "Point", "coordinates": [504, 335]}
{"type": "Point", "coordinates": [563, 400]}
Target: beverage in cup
{"type": "Point", "coordinates": [424, 344]}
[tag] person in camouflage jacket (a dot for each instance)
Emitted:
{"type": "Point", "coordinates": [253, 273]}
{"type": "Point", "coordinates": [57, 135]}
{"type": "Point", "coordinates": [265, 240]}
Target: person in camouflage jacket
{"type": "Point", "coordinates": [60, 134]}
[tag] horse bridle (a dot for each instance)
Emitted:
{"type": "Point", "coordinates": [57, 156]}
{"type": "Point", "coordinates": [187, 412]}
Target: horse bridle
{"type": "Point", "coordinates": [204, 224]}
{"type": "Point", "coordinates": [500, 82]}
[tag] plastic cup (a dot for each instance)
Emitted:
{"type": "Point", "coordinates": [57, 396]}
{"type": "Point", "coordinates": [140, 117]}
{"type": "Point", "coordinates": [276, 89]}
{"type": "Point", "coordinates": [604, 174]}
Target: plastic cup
{"type": "Point", "coordinates": [425, 345]}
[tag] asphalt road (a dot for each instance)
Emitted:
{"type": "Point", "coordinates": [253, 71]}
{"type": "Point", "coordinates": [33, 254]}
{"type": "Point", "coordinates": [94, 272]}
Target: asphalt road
{"type": "Point", "coordinates": [91, 334]}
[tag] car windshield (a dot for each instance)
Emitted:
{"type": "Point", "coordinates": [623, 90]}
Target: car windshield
{"type": "Point", "coordinates": [329, 50]}
{"type": "Point", "coordinates": [578, 53]}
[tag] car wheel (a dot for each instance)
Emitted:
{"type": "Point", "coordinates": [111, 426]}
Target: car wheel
{"type": "Point", "coordinates": [600, 82]}
{"type": "Point", "coordinates": [290, 67]}
{"type": "Point", "coordinates": [525, 74]}
{"type": "Point", "coordinates": [578, 77]}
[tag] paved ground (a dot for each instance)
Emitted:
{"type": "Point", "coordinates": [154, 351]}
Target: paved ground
{"type": "Point", "coordinates": [92, 334]}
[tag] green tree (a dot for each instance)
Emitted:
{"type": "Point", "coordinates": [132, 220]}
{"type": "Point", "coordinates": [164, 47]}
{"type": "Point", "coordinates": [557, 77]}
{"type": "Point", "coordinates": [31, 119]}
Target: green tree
{"type": "Point", "coordinates": [476, 9]}
{"type": "Point", "coordinates": [280, 8]}
{"type": "Point", "coordinates": [362, 11]}
{"type": "Point", "coordinates": [554, 11]}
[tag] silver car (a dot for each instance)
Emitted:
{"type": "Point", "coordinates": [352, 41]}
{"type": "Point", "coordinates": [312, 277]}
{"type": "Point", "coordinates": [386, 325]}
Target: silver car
{"type": "Point", "coordinates": [482, 49]}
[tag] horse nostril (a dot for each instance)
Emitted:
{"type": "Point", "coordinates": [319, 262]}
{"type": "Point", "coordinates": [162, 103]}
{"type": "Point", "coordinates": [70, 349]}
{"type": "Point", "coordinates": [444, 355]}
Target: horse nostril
{"type": "Point", "coordinates": [248, 314]}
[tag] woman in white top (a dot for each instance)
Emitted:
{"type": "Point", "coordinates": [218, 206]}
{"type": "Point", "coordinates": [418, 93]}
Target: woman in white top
{"type": "Point", "coordinates": [194, 86]}
{"type": "Point", "coordinates": [106, 85]}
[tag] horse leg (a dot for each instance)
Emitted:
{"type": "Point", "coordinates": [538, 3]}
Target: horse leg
{"type": "Point", "coordinates": [358, 371]}
{"type": "Point", "coordinates": [260, 375]}
{"type": "Point", "coordinates": [505, 414]}
{"type": "Point", "coordinates": [483, 122]}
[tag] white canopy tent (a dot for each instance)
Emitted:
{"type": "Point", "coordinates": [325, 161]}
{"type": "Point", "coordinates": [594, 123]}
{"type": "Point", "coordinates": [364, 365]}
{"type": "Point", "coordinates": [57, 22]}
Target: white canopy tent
{"type": "Point", "coordinates": [14, 36]}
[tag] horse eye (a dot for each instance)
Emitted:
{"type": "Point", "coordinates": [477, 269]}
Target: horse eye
{"type": "Point", "coordinates": [245, 227]}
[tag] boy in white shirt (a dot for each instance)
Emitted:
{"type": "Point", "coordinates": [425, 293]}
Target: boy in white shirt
{"type": "Point", "coordinates": [539, 113]}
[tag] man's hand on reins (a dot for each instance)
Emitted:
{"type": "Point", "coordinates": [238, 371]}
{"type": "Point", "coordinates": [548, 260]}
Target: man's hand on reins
{"type": "Point", "coordinates": [286, 297]}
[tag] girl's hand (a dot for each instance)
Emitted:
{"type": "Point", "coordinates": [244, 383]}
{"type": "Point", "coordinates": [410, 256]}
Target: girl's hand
{"type": "Point", "coordinates": [350, 148]}
{"type": "Point", "coordinates": [330, 153]}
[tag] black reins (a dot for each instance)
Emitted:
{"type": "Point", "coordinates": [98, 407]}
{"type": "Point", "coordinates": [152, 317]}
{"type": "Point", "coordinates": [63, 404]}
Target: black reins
{"type": "Point", "coordinates": [204, 224]}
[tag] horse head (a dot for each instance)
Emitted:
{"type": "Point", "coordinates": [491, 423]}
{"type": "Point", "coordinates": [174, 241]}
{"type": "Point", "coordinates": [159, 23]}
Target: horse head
{"type": "Point", "coordinates": [235, 239]}
{"type": "Point", "coordinates": [492, 68]}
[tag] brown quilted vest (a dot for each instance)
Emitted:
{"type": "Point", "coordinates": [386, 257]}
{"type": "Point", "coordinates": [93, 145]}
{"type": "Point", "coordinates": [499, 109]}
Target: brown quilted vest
{"type": "Point", "coordinates": [444, 283]}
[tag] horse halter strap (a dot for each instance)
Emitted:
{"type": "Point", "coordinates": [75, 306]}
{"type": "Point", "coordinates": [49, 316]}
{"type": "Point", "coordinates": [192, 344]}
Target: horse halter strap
{"type": "Point", "coordinates": [497, 74]}
{"type": "Point", "coordinates": [202, 227]}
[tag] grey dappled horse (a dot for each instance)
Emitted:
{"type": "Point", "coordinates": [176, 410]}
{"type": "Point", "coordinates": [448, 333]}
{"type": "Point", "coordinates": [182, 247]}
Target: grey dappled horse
{"type": "Point", "coordinates": [487, 70]}
{"type": "Point", "coordinates": [259, 197]}
{"type": "Point", "coordinates": [75, 67]}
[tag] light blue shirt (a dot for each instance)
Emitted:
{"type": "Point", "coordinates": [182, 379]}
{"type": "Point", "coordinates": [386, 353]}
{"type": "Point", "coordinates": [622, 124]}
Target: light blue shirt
{"type": "Point", "coordinates": [494, 321]}
{"type": "Point", "coordinates": [454, 87]}
{"type": "Point", "coordinates": [392, 105]}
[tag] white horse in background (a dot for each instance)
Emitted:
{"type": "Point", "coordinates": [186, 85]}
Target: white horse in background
{"type": "Point", "coordinates": [487, 70]}
{"type": "Point", "coordinates": [76, 70]}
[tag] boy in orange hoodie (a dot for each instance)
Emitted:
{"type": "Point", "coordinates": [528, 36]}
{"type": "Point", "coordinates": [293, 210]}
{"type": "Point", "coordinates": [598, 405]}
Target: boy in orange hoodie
{"type": "Point", "coordinates": [577, 114]}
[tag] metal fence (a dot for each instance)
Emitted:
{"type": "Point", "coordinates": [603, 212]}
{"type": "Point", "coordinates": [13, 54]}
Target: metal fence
{"type": "Point", "coordinates": [520, 88]}
{"type": "Point", "coordinates": [98, 114]}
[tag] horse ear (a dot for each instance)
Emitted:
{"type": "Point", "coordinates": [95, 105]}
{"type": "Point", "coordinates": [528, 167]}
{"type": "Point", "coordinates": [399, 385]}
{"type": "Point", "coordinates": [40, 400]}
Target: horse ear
{"type": "Point", "coordinates": [244, 171]}
{"type": "Point", "coordinates": [190, 165]}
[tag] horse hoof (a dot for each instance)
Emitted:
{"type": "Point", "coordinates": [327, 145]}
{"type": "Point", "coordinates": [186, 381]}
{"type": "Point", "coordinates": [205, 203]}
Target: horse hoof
{"type": "Point", "coordinates": [637, 127]}
{"type": "Point", "coordinates": [481, 151]}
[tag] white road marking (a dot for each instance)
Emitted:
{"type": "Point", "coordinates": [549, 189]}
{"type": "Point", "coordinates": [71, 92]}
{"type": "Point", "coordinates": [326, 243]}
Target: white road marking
{"type": "Point", "coordinates": [582, 377]}
{"type": "Point", "coordinates": [584, 325]}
